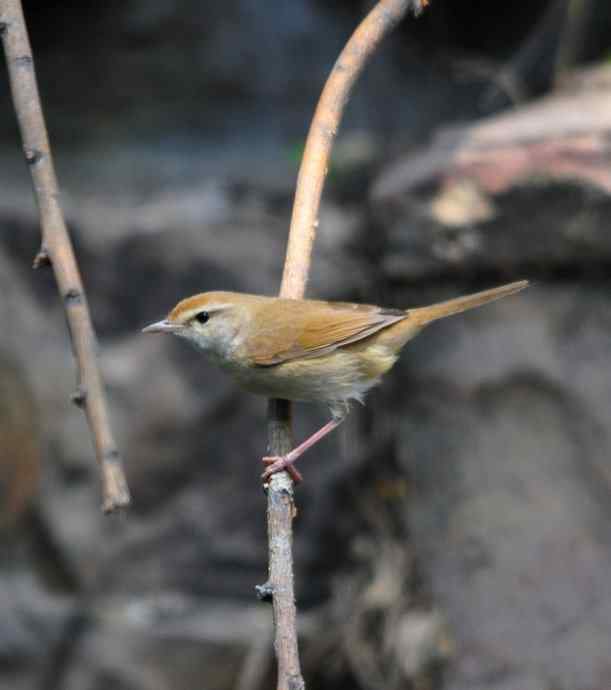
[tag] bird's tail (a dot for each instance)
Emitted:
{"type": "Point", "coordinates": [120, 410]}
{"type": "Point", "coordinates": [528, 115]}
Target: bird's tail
{"type": "Point", "coordinates": [424, 315]}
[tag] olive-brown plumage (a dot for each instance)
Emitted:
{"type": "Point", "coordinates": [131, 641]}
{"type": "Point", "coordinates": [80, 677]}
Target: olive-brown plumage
{"type": "Point", "coordinates": [307, 350]}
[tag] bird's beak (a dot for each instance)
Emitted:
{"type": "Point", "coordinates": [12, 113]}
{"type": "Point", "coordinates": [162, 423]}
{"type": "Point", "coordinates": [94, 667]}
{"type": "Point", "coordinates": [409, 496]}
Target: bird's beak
{"type": "Point", "coordinates": [164, 326]}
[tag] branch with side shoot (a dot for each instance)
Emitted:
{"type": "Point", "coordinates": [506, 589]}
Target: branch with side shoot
{"type": "Point", "coordinates": [56, 249]}
{"type": "Point", "coordinates": [280, 501]}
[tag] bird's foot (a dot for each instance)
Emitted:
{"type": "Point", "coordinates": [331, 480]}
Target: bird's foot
{"type": "Point", "coordinates": [279, 463]}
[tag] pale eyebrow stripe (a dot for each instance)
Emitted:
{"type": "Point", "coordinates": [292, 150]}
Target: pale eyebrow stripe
{"type": "Point", "coordinates": [210, 308]}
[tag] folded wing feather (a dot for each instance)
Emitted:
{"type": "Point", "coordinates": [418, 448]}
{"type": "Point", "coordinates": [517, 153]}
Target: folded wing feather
{"type": "Point", "coordinates": [316, 328]}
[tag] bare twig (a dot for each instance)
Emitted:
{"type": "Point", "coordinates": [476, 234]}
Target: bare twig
{"type": "Point", "coordinates": [56, 248]}
{"type": "Point", "coordinates": [280, 503]}
{"type": "Point", "coordinates": [325, 123]}
{"type": "Point", "coordinates": [280, 584]}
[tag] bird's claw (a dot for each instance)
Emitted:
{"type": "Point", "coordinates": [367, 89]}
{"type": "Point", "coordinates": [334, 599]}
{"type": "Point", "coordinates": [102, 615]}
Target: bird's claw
{"type": "Point", "coordinates": [279, 463]}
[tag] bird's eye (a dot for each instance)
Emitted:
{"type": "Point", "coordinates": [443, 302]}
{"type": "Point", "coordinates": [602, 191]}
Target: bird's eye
{"type": "Point", "coordinates": [202, 317]}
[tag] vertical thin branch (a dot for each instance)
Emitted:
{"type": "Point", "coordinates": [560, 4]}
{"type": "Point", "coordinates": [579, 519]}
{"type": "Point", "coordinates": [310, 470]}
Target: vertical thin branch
{"type": "Point", "coordinates": [280, 501]}
{"type": "Point", "coordinates": [280, 514]}
{"type": "Point", "coordinates": [56, 249]}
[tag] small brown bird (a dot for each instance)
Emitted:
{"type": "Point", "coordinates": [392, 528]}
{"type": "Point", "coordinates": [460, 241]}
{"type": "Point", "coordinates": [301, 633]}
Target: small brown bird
{"type": "Point", "coordinates": [306, 350]}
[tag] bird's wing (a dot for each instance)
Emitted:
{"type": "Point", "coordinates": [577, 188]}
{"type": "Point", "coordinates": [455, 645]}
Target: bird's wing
{"type": "Point", "coordinates": [313, 328]}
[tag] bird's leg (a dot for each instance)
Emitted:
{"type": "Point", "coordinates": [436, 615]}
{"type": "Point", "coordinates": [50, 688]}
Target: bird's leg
{"type": "Point", "coordinates": [278, 463]}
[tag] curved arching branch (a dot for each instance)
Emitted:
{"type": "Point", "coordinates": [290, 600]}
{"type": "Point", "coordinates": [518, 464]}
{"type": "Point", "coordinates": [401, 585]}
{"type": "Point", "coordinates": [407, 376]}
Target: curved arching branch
{"type": "Point", "coordinates": [280, 500]}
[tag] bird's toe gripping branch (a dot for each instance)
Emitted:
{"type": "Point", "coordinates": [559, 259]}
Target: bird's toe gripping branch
{"type": "Point", "coordinates": [279, 463]}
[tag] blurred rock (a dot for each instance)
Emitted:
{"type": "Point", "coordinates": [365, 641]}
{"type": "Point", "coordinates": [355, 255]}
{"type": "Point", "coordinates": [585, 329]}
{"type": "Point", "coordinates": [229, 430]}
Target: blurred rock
{"type": "Point", "coordinates": [454, 534]}
{"type": "Point", "coordinates": [527, 188]}
{"type": "Point", "coordinates": [421, 640]}
{"type": "Point", "coordinates": [508, 455]}
{"type": "Point", "coordinates": [165, 643]}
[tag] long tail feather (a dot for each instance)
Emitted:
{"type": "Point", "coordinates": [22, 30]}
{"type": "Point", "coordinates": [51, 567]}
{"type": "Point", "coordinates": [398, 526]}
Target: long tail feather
{"type": "Point", "coordinates": [425, 315]}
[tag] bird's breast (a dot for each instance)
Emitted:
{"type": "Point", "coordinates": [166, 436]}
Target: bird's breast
{"type": "Point", "coordinates": [343, 375]}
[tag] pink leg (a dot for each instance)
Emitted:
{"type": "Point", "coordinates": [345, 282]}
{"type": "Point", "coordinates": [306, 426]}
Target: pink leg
{"type": "Point", "coordinates": [279, 463]}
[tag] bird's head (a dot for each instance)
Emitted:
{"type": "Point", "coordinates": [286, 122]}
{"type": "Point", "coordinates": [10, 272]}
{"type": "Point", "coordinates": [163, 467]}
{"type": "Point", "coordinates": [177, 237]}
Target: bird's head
{"type": "Point", "coordinates": [211, 321]}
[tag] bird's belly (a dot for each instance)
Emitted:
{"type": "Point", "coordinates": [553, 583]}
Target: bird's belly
{"type": "Point", "coordinates": [342, 375]}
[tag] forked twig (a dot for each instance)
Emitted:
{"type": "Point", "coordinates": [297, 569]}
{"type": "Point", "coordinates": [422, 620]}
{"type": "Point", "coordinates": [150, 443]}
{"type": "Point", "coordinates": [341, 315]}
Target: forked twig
{"type": "Point", "coordinates": [280, 502]}
{"type": "Point", "coordinates": [56, 249]}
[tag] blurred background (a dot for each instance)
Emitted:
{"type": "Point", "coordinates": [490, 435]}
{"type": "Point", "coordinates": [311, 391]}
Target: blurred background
{"type": "Point", "coordinates": [455, 534]}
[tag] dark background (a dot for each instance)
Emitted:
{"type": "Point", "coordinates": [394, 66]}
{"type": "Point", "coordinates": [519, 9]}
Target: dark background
{"type": "Point", "coordinates": [455, 534]}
